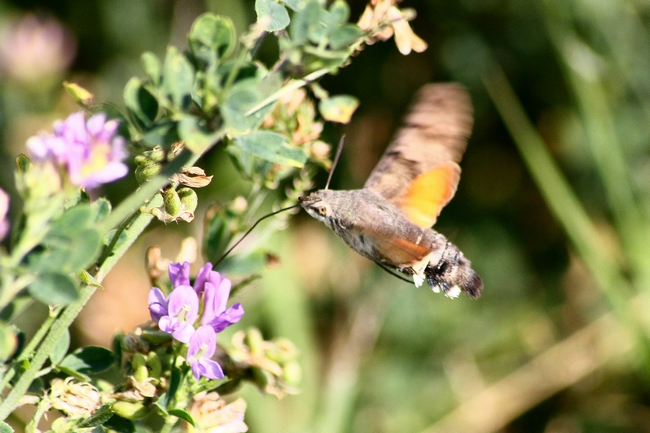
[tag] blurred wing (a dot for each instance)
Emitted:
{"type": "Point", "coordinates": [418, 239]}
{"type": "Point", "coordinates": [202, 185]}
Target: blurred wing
{"type": "Point", "coordinates": [419, 171]}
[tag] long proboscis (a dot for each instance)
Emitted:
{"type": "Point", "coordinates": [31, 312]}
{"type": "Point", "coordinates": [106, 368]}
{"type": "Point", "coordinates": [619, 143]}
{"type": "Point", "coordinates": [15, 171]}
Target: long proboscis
{"type": "Point", "coordinates": [250, 229]}
{"type": "Point", "coordinates": [336, 160]}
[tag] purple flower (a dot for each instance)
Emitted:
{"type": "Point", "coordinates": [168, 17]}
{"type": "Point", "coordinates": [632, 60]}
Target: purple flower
{"type": "Point", "coordinates": [157, 304]}
{"type": "Point", "coordinates": [4, 208]}
{"type": "Point", "coordinates": [176, 315]}
{"type": "Point", "coordinates": [179, 274]}
{"type": "Point", "coordinates": [34, 50]}
{"type": "Point", "coordinates": [204, 275]}
{"type": "Point", "coordinates": [90, 151]}
{"type": "Point", "coordinates": [216, 290]}
{"type": "Point", "coordinates": [202, 346]}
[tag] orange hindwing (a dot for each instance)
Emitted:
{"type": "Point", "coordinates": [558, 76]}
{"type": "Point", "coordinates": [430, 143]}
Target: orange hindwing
{"type": "Point", "coordinates": [429, 193]}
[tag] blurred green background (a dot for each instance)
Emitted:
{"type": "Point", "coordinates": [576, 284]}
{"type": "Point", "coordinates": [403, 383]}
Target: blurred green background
{"type": "Point", "coordinates": [552, 209]}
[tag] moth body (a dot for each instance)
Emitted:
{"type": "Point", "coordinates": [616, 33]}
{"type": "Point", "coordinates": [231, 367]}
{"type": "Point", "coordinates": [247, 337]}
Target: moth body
{"type": "Point", "coordinates": [378, 230]}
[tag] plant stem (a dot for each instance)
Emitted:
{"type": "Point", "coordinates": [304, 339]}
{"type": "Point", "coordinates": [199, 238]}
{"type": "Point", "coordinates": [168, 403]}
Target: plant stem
{"type": "Point", "coordinates": [289, 87]}
{"type": "Point", "coordinates": [43, 406]}
{"type": "Point", "coordinates": [170, 421]}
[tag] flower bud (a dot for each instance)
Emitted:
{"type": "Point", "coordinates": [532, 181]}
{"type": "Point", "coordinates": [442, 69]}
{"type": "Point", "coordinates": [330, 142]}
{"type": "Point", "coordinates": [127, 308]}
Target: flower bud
{"type": "Point", "coordinates": [140, 371]}
{"type": "Point", "coordinates": [238, 206]}
{"type": "Point", "coordinates": [155, 336]}
{"type": "Point", "coordinates": [154, 364]}
{"type": "Point", "coordinates": [172, 202]}
{"type": "Point", "coordinates": [133, 343]}
{"type": "Point", "coordinates": [292, 373]}
{"type": "Point", "coordinates": [189, 199]}
{"type": "Point", "coordinates": [128, 410]}
{"type": "Point", "coordinates": [254, 340]}
{"type": "Point", "coordinates": [146, 171]}
{"type": "Point", "coordinates": [262, 378]}
{"type": "Point", "coordinates": [282, 350]}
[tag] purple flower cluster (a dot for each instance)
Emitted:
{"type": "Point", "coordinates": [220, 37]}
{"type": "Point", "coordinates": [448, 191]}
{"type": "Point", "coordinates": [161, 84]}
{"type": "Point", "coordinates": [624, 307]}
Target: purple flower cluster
{"type": "Point", "coordinates": [91, 152]}
{"type": "Point", "coordinates": [177, 314]}
{"type": "Point", "coordinates": [35, 49]}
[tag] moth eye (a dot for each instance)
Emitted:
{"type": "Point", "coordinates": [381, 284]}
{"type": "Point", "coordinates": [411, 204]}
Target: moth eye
{"type": "Point", "coordinates": [321, 210]}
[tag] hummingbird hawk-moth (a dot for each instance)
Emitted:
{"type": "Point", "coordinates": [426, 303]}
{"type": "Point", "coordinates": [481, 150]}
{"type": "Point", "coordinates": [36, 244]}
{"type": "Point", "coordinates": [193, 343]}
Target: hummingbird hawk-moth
{"type": "Point", "coordinates": [389, 220]}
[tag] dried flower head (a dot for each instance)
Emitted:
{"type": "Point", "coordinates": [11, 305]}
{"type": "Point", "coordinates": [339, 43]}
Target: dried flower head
{"type": "Point", "coordinates": [213, 415]}
{"type": "Point", "coordinates": [383, 19]}
{"type": "Point", "coordinates": [274, 363]}
{"type": "Point", "coordinates": [75, 399]}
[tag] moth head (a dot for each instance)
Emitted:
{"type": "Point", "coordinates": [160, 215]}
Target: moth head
{"type": "Point", "coordinates": [317, 205]}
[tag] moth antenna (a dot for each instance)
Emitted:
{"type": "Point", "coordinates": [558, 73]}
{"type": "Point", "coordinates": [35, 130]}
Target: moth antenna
{"type": "Point", "coordinates": [250, 229]}
{"type": "Point", "coordinates": [336, 161]}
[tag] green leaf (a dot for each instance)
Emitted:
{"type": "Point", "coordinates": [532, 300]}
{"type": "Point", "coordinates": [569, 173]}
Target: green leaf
{"type": "Point", "coordinates": [243, 96]}
{"type": "Point", "coordinates": [22, 163]}
{"type": "Point", "coordinates": [152, 67]}
{"type": "Point", "coordinates": [182, 414]}
{"type": "Point", "coordinates": [240, 68]}
{"type": "Point", "coordinates": [178, 79]}
{"type": "Point", "coordinates": [161, 135]}
{"type": "Point", "coordinates": [175, 381]}
{"type": "Point", "coordinates": [338, 108]}
{"type": "Point", "coordinates": [121, 425]}
{"type": "Point", "coordinates": [271, 147]}
{"type": "Point", "coordinates": [61, 348]}
{"type": "Point", "coordinates": [253, 84]}
{"type": "Point", "coordinates": [217, 234]}
{"type": "Point", "coordinates": [294, 5]}
{"type": "Point", "coordinates": [244, 162]}
{"type": "Point", "coordinates": [8, 342]}
{"type": "Point", "coordinates": [317, 32]}
{"type": "Point", "coordinates": [100, 208]}
{"type": "Point", "coordinates": [339, 13]}
{"type": "Point", "coordinates": [100, 416]}
{"type": "Point", "coordinates": [67, 253]}
{"type": "Point", "coordinates": [212, 37]}
{"type": "Point", "coordinates": [275, 12]}
{"type": "Point", "coordinates": [72, 243]}
{"type": "Point", "coordinates": [140, 102]}
{"type": "Point", "coordinates": [5, 428]}
{"type": "Point", "coordinates": [89, 359]}
{"type": "Point", "coordinates": [252, 263]}
{"type": "Point", "coordinates": [69, 372]}
{"type": "Point", "coordinates": [305, 21]}
{"type": "Point", "coordinates": [196, 138]}
{"type": "Point", "coordinates": [37, 387]}
{"type": "Point", "coordinates": [17, 305]}
{"type": "Point", "coordinates": [89, 280]}
{"type": "Point", "coordinates": [54, 289]}
{"type": "Point", "coordinates": [345, 36]}
{"type": "Point", "coordinates": [75, 218]}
